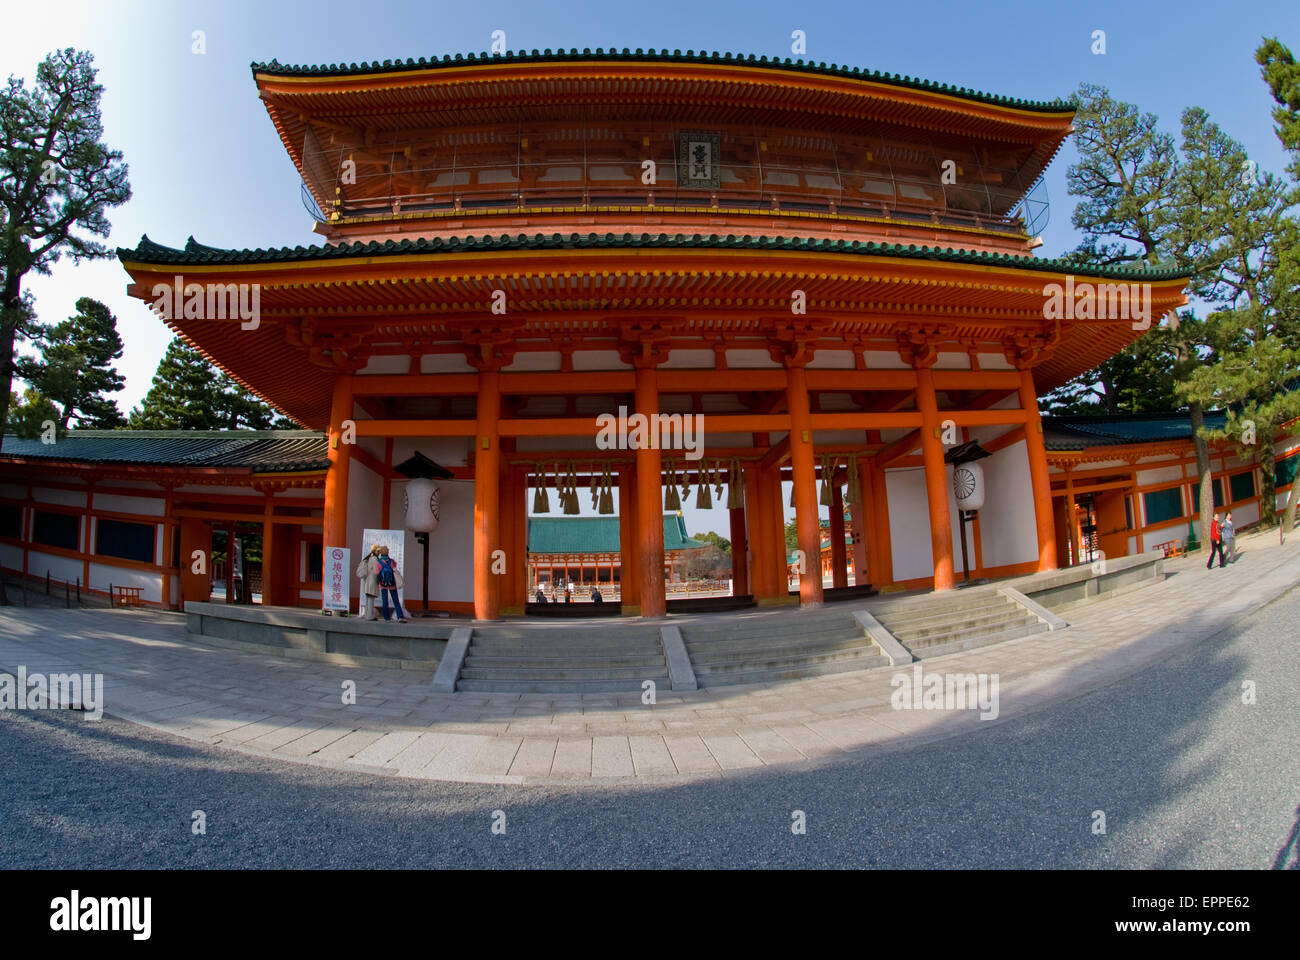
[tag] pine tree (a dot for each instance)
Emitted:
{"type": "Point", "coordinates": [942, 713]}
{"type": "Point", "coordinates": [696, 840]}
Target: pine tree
{"type": "Point", "coordinates": [75, 368]}
{"type": "Point", "coordinates": [29, 414]}
{"type": "Point", "coordinates": [190, 393]}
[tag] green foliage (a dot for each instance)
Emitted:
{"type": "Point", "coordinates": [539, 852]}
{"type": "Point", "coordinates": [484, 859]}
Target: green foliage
{"type": "Point", "coordinates": [190, 393]}
{"type": "Point", "coordinates": [717, 540]}
{"type": "Point", "coordinates": [29, 414]}
{"type": "Point", "coordinates": [1282, 74]}
{"type": "Point", "coordinates": [75, 368]}
{"type": "Point", "coordinates": [57, 182]}
{"type": "Point", "coordinates": [791, 537]}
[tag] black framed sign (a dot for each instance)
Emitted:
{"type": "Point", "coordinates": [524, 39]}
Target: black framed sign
{"type": "Point", "coordinates": [698, 159]}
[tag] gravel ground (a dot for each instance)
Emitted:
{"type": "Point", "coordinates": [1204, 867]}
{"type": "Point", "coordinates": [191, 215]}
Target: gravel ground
{"type": "Point", "coordinates": [1187, 775]}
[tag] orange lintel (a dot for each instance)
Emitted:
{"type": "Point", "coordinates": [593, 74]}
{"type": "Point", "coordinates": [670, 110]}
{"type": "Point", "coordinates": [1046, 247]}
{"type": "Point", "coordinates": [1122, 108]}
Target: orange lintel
{"type": "Point", "coordinates": [864, 421]}
{"type": "Point", "coordinates": [415, 428]}
{"type": "Point", "coordinates": [976, 379]}
{"type": "Point", "coordinates": [861, 379]}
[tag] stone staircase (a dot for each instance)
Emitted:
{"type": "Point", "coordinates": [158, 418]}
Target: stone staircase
{"type": "Point", "coordinates": [731, 650]}
{"type": "Point", "coordinates": [930, 626]}
{"type": "Point", "coordinates": [564, 660]}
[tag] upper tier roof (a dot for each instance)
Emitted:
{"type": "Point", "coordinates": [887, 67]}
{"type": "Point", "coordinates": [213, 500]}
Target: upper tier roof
{"type": "Point", "coordinates": [149, 252]}
{"type": "Point", "coordinates": [276, 69]}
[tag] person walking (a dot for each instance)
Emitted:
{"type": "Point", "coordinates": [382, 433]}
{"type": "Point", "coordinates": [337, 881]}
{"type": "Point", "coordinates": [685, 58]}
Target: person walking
{"type": "Point", "coordinates": [1229, 539]}
{"type": "Point", "coordinates": [1216, 542]}
{"type": "Point", "coordinates": [390, 579]}
{"type": "Point", "coordinates": [368, 573]}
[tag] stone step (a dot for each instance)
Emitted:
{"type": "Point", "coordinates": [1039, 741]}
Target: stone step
{"type": "Point", "coordinates": [474, 659]}
{"type": "Point", "coordinates": [918, 614]}
{"type": "Point", "coordinates": [742, 650]}
{"type": "Point", "coordinates": [543, 648]}
{"type": "Point", "coordinates": [791, 673]}
{"type": "Point", "coordinates": [779, 662]}
{"type": "Point", "coordinates": [786, 630]}
{"type": "Point", "coordinates": [959, 624]}
{"type": "Point", "coordinates": [961, 633]}
{"type": "Point", "coordinates": [524, 673]}
{"type": "Point", "coordinates": [929, 652]}
{"type": "Point", "coordinates": [551, 686]}
{"type": "Point", "coordinates": [578, 633]}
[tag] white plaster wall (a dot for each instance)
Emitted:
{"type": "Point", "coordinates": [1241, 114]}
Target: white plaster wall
{"type": "Point", "coordinates": [446, 451]}
{"type": "Point", "coordinates": [451, 546]}
{"type": "Point", "coordinates": [909, 523]}
{"type": "Point", "coordinates": [365, 492]}
{"type": "Point", "coordinates": [535, 361]}
{"type": "Point", "coordinates": [1008, 531]}
{"type": "Point", "coordinates": [832, 360]}
{"type": "Point", "coordinates": [1246, 514]}
{"type": "Point", "coordinates": [599, 360]}
{"type": "Point", "coordinates": [11, 557]}
{"type": "Point", "coordinates": [882, 360]}
{"type": "Point", "coordinates": [994, 361]}
{"type": "Point", "coordinates": [104, 574]}
{"type": "Point", "coordinates": [952, 361]}
{"type": "Point", "coordinates": [145, 506]}
{"type": "Point", "coordinates": [689, 360]}
{"type": "Point", "coordinates": [1162, 475]}
{"type": "Point", "coordinates": [750, 360]}
{"type": "Point", "coordinates": [68, 498]}
{"type": "Point", "coordinates": [61, 568]}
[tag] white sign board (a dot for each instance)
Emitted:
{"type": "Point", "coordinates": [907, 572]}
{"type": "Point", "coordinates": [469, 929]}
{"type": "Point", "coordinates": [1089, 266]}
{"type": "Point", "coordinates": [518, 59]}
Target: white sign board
{"type": "Point", "coordinates": [395, 541]}
{"type": "Point", "coordinates": [337, 580]}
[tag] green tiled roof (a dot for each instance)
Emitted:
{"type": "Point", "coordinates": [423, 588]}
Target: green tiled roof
{"type": "Point", "coordinates": [1079, 433]}
{"type": "Point", "coordinates": [596, 534]}
{"type": "Point", "coordinates": [260, 450]}
{"type": "Point", "coordinates": [614, 55]}
{"type": "Point", "coordinates": [195, 253]}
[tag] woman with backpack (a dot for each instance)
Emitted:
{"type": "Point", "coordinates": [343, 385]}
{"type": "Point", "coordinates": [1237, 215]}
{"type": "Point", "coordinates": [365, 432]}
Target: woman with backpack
{"type": "Point", "coordinates": [390, 579]}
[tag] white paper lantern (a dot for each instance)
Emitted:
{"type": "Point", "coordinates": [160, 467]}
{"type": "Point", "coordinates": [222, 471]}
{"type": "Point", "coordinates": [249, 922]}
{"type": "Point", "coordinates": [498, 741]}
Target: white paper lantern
{"type": "Point", "coordinates": [421, 501]}
{"type": "Point", "coordinates": [968, 485]}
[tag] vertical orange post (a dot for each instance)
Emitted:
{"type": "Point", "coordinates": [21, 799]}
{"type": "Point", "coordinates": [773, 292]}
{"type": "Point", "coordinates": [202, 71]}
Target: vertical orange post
{"type": "Point", "coordinates": [1038, 475]}
{"type": "Point", "coordinates": [804, 475]}
{"type": "Point", "coordinates": [755, 511]}
{"type": "Point", "coordinates": [882, 557]}
{"type": "Point", "coordinates": [739, 553]}
{"type": "Point", "coordinates": [629, 574]}
{"type": "Point", "coordinates": [269, 581]}
{"type": "Point", "coordinates": [936, 479]}
{"type": "Point", "coordinates": [335, 523]}
{"type": "Point", "coordinates": [650, 518]}
{"type": "Point", "coordinates": [839, 557]}
{"type": "Point", "coordinates": [487, 496]}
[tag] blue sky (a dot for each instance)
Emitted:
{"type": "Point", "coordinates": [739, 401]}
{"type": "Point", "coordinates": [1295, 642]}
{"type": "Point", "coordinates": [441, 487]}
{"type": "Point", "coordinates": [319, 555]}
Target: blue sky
{"type": "Point", "coordinates": [205, 159]}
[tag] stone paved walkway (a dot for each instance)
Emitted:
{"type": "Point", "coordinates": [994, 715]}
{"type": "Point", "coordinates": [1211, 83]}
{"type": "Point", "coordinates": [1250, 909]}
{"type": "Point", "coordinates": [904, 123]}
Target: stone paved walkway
{"type": "Point", "coordinates": [294, 709]}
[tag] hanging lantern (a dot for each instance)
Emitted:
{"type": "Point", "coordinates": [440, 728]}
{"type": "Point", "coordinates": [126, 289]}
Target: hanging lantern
{"type": "Point", "coordinates": [421, 500]}
{"type": "Point", "coordinates": [968, 485]}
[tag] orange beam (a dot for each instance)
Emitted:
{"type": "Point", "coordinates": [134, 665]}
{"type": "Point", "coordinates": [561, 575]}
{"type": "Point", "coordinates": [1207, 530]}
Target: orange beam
{"type": "Point", "coordinates": [1038, 475]}
{"type": "Point", "coordinates": [804, 475]}
{"type": "Point", "coordinates": [936, 481]}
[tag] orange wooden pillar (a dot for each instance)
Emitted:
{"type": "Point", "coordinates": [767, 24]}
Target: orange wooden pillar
{"type": "Point", "coordinates": [487, 496]}
{"type": "Point", "coordinates": [882, 556]}
{"type": "Point", "coordinates": [756, 533]}
{"type": "Point", "coordinates": [739, 553]}
{"type": "Point", "coordinates": [839, 557]}
{"type": "Point", "coordinates": [1038, 475]}
{"type": "Point", "coordinates": [803, 470]}
{"type": "Point", "coordinates": [269, 579]}
{"type": "Point", "coordinates": [196, 535]}
{"type": "Point", "coordinates": [936, 479]}
{"type": "Point", "coordinates": [335, 523]}
{"type": "Point", "coordinates": [650, 518]}
{"type": "Point", "coordinates": [514, 541]}
{"type": "Point", "coordinates": [629, 574]}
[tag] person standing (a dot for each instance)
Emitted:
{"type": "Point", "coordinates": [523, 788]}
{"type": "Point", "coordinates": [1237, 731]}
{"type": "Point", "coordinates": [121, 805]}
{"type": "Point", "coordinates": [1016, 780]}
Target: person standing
{"type": "Point", "coordinates": [1216, 542]}
{"type": "Point", "coordinates": [368, 573]}
{"type": "Point", "coordinates": [390, 579]}
{"type": "Point", "coordinates": [1229, 539]}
